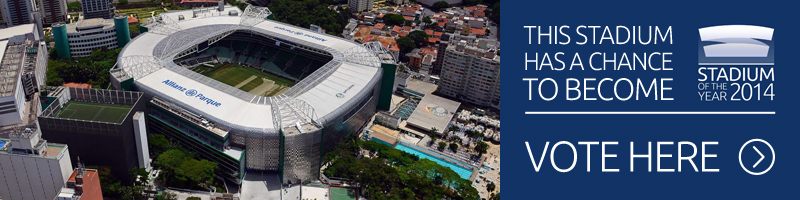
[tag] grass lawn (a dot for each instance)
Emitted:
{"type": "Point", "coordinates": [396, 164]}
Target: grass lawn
{"type": "Point", "coordinates": [94, 112]}
{"type": "Point", "coordinates": [142, 13]}
{"type": "Point", "coordinates": [232, 74]}
{"type": "Point", "coordinates": [252, 84]}
{"type": "Point", "coordinates": [235, 75]}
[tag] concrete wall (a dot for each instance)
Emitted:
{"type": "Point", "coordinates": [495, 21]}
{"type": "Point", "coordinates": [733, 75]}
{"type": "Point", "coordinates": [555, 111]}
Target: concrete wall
{"type": "Point", "coordinates": [31, 177]}
{"type": "Point", "coordinates": [8, 115]}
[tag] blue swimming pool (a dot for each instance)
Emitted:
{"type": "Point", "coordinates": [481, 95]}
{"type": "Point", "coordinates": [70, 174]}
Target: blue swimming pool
{"type": "Point", "coordinates": [463, 172]}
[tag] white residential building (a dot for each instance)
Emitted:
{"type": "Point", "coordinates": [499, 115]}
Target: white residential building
{"type": "Point", "coordinates": [357, 6]}
{"type": "Point", "coordinates": [30, 167]}
{"type": "Point", "coordinates": [23, 62]}
{"type": "Point", "coordinates": [471, 72]}
{"type": "Point", "coordinates": [88, 35]}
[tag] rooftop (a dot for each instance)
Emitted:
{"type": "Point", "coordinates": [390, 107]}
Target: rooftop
{"type": "Point", "coordinates": [11, 60]}
{"type": "Point", "coordinates": [111, 113]}
{"type": "Point", "coordinates": [483, 48]}
{"type": "Point", "coordinates": [94, 105]}
{"type": "Point", "coordinates": [384, 134]}
{"type": "Point", "coordinates": [89, 24]}
{"type": "Point", "coordinates": [13, 43]}
{"type": "Point", "coordinates": [330, 89]}
{"type": "Point", "coordinates": [421, 86]}
{"type": "Point", "coordinates": [52, 151]}
{"type": "Point", "coordinates": [9, 32]}
{"type": "Point", "coordinates": [433, 112]}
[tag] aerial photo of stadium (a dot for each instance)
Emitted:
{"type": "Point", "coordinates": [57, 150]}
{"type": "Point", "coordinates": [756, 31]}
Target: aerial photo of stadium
{"type": "Point", "coordinates": [255, 95]}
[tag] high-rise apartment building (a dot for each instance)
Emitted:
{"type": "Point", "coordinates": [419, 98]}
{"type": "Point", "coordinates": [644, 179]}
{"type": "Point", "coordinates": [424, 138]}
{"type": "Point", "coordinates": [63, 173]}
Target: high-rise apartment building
{"type": "Point", "coordinates": [357, 6]}
{"type": "Point", "coordinates": [53, 11]}
{"type": "Point", "coordinates": [97, 9]}
{"type": "Point", "coordinates": [471, 72]}
{"type": "Point", "coordinates": [31, 167]}
{"type": "Point", "coordinates": [17, 12]}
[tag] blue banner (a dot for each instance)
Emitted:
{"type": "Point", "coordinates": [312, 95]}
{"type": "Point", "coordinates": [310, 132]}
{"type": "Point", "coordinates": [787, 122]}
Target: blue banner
{"type": "Point", "coordinates": [649, 100]}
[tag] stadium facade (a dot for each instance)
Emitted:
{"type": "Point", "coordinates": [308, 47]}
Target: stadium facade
{"type": "Point", "coordinates": [338, 85]}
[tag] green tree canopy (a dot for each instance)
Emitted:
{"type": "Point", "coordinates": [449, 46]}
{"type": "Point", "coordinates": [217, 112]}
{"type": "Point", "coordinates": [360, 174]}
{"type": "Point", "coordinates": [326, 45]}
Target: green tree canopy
{"type": "Point", "coordinates": [158, 143]}
{"type": "Point", "coordinates": [196, 171]}
{"type": "Point", "coordinates": [74, 6]}
{"type": "Point", "coordinates": [306, 12]}
{"type": "Point", "coordinates": [382, 178]}
{"type": "Point", "coordinates": [453, 147]}
{"type": "Point", "coordinates": [393, 19]}
{"type": "Point", "coordinates": [93, 69]}
{"type": "Point", "coordinates": [427, 20]}
{"type": "Point", "coordinates": [481, 147]}
{"type": "Point", "coordinates": [419, 37]}
{"type": "Point", "coordinates": [171, 159]}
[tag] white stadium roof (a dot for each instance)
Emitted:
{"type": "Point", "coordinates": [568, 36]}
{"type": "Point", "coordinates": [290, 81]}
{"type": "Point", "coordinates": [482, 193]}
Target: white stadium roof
{"type": "Point", "coordinates": [149, 60]}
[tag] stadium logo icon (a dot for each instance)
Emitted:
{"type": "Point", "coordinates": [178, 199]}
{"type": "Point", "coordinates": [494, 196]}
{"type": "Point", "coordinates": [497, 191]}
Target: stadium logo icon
{"type": "Point", "coordinates": [191, 92]}
{"type": "Point", "coordinates": [736, 45]}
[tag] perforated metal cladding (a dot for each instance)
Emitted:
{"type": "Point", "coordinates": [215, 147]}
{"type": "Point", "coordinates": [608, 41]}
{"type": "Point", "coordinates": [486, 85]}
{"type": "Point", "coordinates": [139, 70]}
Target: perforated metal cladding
{"type": "Point", "coordinates": [263, 152]}
{"type": "Point", "coordinates": [302, 157]}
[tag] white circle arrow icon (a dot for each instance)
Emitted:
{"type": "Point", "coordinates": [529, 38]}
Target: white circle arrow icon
{"type": "Point", "coordinates": [759, 159]}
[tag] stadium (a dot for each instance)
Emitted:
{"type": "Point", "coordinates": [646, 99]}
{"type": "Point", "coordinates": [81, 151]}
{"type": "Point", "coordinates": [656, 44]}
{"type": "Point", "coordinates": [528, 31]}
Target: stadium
{"type": "Point", "coordinates": [253, 94]}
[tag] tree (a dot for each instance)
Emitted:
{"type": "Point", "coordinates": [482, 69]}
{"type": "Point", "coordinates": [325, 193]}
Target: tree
{"type": "Point", "coordinates": [199, 172]}
{"type": "Point", "coordinates": [382, 178]}
{"type": "Point", "coordinates": [481, 147]}
{"type": "Point", "coordinates": [93, 69]}
{"type": "Point", "coordinates": [427, 20]}
{"type": "Point", "coordinates": [74, 6]}
{"type": "Point", "coordinates": [453, 128]}
{"type": "Point", "coordinates": [433, 131]}
{"type": "Point", "coordinates": [393, 19]}
{"type": "Point", "coordinates": [490, 187]}
{"type": "Point", "coordinates": [494, 15]}
{"type": "Point", "coordinates": [183, 170]}
{"type": "Point", "coordinates": [494, 196]}
{"type": "Point", "coordinates": [171, 159]}
{"type": "Point", "coordinates": [123, 2]}
{"type": "Point", "coordinates": [440, 5]}
{"type": "Point", "coordinates": [453, 147]}
{"type": "Point", "coordinates": [441, 146]}
{"type": "Point", "coordinates": [307, 12]}
{"type": "Point", "coordinates": [406, 45]}
{"type": "Point", "coordinates": [419, 37]}
{"type": "Point", "coordinates": [158, 143]}
{"type": "Point", "coordinates": [473, 134]}
{"type": "Point", "coordinates": [133, 192]}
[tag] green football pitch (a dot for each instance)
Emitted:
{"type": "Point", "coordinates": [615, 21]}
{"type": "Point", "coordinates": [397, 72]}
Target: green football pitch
{"type": "Point", "coordinates": [94, 112]}
{"type": "Point", "coordinates": [247, 79]}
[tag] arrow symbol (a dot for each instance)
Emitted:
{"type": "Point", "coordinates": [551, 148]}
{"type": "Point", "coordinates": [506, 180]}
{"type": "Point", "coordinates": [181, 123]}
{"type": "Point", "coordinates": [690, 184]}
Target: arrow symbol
{"type": "Point", "coordinates": [759, 154]}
